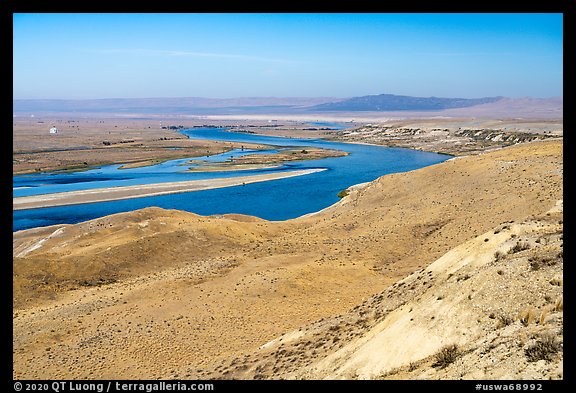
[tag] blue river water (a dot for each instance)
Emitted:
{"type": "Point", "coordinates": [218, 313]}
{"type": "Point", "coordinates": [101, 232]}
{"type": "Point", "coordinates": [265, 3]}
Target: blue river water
{"type": "Point", "coordinates": [272, 200]}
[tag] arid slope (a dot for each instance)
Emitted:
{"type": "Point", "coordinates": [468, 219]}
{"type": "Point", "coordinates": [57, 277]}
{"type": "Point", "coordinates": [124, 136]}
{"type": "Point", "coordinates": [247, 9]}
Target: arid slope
{"type": "Point", "coordinates": [161, 294]}
{"type": "Point", "coordinates": [490, 308]}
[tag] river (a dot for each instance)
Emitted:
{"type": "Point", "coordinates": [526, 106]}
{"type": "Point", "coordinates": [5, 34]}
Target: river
{"type": "Point", "coordinates": [273, 200]}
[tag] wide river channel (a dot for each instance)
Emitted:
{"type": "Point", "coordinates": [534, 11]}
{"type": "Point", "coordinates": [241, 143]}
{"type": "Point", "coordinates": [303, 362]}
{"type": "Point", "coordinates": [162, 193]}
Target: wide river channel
{"type": "Point", "coordinates": [272, 200]}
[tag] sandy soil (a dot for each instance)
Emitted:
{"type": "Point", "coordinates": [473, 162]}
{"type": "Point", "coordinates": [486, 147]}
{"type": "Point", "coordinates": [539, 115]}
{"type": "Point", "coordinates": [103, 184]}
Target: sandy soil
{"type": "Point", "coordinates": [167, 294]}
{"type": "Point", "coordinates": [490, 299]}
{"type": "Point", "coordinates": [145, 190]}
{"type": "Point", "coordinates": [80, 142]}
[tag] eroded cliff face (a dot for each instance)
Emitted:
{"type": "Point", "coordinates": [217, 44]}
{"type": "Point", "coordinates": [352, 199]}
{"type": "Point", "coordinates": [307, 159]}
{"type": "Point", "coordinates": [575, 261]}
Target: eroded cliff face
{"type": "Point", "coordinates": [449, 139]}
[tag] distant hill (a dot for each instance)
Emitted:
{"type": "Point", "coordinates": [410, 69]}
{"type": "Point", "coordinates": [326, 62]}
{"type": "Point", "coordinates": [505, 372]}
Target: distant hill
{"type": "Point", "coordinates": [169, 104]}
{"type": "Point", "coordinates": [402, 105]}
{"type": "Point", "coordinates": [391, 102]}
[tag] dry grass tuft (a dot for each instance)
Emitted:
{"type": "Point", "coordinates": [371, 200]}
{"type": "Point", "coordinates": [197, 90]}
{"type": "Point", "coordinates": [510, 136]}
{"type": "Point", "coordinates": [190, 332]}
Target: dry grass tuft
{"type": "Point", "coordinates": [543, 316]}
{"type": "Point", "coordinates": [559, 304]}
{"type": "Point", "coordinates": [527, 316]}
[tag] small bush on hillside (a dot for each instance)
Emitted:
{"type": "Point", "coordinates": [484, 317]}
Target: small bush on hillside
{"type": "Point", "coordinates": [504, 320]}
{"type": "Point", "coordinates": [537, 262]}
{"type": "Point", "coordinates": [544, 349]}
{"type": "Point", "coordinates": [446, 356]}
{"type": "Point", "coordinates": [520, 246]}
{"type": "Point", "coordinates": [343, 193]}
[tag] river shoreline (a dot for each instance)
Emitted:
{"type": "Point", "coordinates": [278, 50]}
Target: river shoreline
{"type": "Point", "coordinates": [300, 196]}
{"type": "Point", "coordinates": [145, 190]}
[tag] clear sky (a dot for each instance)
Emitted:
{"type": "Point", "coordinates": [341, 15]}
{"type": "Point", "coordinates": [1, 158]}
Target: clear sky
{"type": "Point", "coordinates": [286, 55]}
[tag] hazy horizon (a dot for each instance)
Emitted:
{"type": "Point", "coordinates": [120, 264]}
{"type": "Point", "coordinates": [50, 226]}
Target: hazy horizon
{"type": "Point", "coordinates": [227, 56]}
{"type": "Point", "coordinates": [255, 97]}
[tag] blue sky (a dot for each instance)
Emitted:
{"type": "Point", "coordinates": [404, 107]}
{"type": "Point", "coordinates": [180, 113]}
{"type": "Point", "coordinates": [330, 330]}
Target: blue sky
{"type": "Point", "coordinates": [77, 56]}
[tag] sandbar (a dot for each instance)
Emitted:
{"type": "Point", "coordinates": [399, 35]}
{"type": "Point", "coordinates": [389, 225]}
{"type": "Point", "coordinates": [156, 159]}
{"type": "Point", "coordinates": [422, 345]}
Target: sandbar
{"type": "Point", "coordinates": [145, 190]}
{"type": "Point", "coordinates": [221, 167]}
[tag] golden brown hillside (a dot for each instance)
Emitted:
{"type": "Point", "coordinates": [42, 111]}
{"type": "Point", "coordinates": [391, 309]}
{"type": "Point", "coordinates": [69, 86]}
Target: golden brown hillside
{"type": "Point", "coordinates": [490, 308]}
{"type": "Point", "coordinates": [161, 294]}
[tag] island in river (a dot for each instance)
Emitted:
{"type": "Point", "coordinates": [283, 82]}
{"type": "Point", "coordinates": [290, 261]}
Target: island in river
{"type": "Point", "coordinates": [84, 143]}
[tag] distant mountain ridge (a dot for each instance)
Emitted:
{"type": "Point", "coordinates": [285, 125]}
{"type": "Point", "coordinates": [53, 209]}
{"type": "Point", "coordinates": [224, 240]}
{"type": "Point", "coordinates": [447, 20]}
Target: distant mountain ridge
{"type": "Point", "coordinates": [391, 102]}
{"type": "Point", "coordinates": [164, 104]}
{"type": "Point", "coordinates": [501, 106]}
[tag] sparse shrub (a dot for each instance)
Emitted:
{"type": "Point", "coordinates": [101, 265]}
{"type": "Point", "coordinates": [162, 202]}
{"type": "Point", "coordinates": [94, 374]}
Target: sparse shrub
{"type": "Point", "coordinates": [504, 320]}
{"type": "Point", "coordinates": [534, 264]}
{"type": "Point", "coordinates": [446, 356]}
{"type": "Point", "coordinates": [537, 262]}
{"type": "Point", "coordinates": [463, 278]}
{"type": "Point", "coordinates": [544, 349]}
{"type": "Point", "coordinates": [520, 246]}
{"type": "Point", "coordinates": [100, 281]}
{"type": "Point", "coordinates": [343, 193]}
{"type": "Point", "coordinates": [498, 255]}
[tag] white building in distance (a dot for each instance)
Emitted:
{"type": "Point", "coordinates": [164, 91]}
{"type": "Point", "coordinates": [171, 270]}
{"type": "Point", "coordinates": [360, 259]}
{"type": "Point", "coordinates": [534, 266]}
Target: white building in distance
{"type": "Point", "coordinates": [53, 130]}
